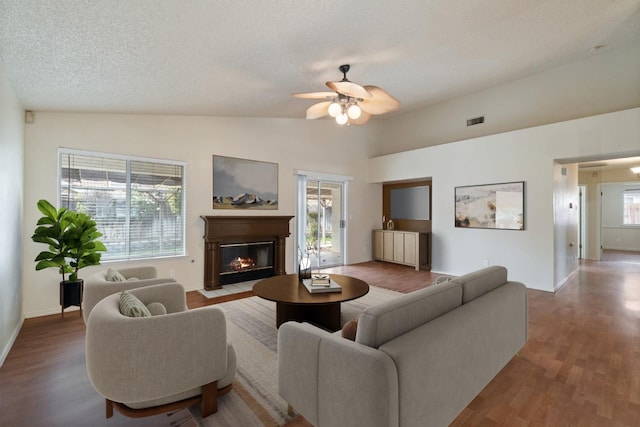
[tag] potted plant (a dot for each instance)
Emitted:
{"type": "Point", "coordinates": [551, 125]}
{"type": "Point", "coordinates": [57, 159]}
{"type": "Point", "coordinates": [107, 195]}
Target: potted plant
{"type": "Point", "coordinates": [72, 239]}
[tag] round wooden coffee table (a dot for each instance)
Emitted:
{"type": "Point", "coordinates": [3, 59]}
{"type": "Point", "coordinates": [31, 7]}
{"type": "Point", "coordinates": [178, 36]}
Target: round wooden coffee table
{"type": "Point", "coordinates": [295, 302]}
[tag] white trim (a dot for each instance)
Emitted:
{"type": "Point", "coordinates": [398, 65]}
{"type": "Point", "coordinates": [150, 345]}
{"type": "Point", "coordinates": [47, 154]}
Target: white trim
{"type": "Point", "coordinates": [321, 176]}
{"type": "Point", "coordinates": [566, 280]}
{"type": "Point", "coordinates": [12, 340]}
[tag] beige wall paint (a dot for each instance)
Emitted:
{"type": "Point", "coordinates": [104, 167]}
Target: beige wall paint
{"type": "Point", "coordinates": [532, 256]}
{"type": "Point", "coordinates": [606, 82]}
{"type": "Point", "coordinates": [11, 171]}
{"type": "Point", "coordinates": [319, 146]}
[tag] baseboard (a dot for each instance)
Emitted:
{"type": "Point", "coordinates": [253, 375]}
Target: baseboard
{"type": "Point", "coordinates": [565, 280]}
{"type": "Point", "coordinates": [14, 336]}
{"type": "Point", "coordinates": [49, 312]}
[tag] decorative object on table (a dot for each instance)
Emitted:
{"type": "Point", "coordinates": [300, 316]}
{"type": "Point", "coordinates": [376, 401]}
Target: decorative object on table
{"type": "Point", "coordinates": [498, 206]}
{"type": "Point", "coordinates": [349, 103]}
{"type": "Point", "coordinates": [72, 239]}
{"type": "Point", "coordinates": [244, 184]}
{"type": "Point", "coordinates": [390, 225]}
{"type": "Point", "coordinates": [320, 279]}
{"type": "Point", "coordinates": [304, 264]}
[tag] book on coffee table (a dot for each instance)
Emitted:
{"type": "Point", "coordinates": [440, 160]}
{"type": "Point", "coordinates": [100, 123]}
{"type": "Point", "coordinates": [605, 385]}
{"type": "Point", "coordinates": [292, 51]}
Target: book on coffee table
{"type": "Point", "coordinates": [331, 286]}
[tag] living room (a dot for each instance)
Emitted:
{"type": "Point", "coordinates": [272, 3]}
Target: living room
{"type": "Point", "coordinates": [582, 110]}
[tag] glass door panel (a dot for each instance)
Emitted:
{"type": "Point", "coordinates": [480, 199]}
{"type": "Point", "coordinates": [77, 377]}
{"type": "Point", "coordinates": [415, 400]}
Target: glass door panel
{"type": "Point", "coordinates": [324, 231]}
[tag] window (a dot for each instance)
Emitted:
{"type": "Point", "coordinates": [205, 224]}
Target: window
{"type": "Point", "coordinates": [138, 204]}
{"type": "Point", "coordinates": [631, 207]}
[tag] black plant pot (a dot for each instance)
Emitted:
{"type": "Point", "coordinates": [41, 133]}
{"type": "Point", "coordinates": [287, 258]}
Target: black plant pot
{"type": "Point", "coordinates": [71, 294]}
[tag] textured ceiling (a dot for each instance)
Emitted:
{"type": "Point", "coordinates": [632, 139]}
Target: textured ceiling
{"type": "Point", "coordinates": [245, 58]}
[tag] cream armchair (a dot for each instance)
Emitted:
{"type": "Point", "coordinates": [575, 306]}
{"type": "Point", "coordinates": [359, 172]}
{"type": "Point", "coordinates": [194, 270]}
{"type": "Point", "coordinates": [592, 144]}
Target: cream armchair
{"type": "Point", "coordinates": [97, 286]}
{"type": "Point", "coordinates": [148, 365]}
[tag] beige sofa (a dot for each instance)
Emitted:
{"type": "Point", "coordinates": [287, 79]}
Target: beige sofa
{"type": "Point", "coordinates": [96, 286]}
{"type": "Point", "coordinates": [417, 360]}
{"type": "Point", "coordinates": [147, 365]}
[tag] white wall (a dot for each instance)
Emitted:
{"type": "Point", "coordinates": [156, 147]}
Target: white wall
{"type": "Point", "coordinates": [320, 146]}
{"type": "Point", "coordinates": [608, 81]}
{"type": "Point", "coordinates": [565, 222]}
{"type": "Point", "coordinates": [524, 155]}
{"type": "Point", "coordinates": [11, 170]}
{"type": "Point", "coordinates": [615, 235]}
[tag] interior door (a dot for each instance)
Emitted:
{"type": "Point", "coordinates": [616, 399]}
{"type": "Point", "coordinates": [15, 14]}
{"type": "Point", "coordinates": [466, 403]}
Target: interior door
{"type": "Point", "coordinates": [324, 231]}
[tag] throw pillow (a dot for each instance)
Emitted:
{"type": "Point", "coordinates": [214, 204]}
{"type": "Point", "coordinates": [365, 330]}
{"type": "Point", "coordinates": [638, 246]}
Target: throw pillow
{"type": "Point", "coordinates": [349, 330]}
{"type": "Point", "coordinates": [156, 308]}
{"type": "Point", "coordinates": [114, 276]}
{"type": "Point", "coordinates": [131, 306]}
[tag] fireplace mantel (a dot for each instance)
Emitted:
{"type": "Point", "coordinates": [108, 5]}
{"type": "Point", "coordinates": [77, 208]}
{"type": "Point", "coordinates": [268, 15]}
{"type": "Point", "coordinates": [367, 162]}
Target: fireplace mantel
{"type": "Point", "coordinates": [242, 229]}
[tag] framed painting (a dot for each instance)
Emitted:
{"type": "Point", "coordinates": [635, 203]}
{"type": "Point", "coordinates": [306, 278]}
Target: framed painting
{"type": "Point", "coordinates": [499, 206]}
{"type": "Point", "coordinates": [244, 184]}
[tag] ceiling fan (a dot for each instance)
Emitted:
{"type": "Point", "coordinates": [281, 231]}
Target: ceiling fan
{"type": "Point", "coordinates": [349, 103]}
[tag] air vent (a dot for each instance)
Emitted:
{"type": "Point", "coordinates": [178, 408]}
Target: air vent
{"type": "Point", "coordinates": [475, 121]}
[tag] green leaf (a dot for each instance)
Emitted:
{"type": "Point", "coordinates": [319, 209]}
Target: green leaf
{"type": "Point", "coordinates": [47, 209]}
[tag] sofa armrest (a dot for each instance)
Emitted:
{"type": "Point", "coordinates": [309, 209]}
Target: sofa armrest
{"type": "Point", "coordinates": [166, 353]}
{"type": "Point", "coordinates": [332, 381]}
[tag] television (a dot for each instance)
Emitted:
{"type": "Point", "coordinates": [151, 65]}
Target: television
{"type": "Point", "coordinates": [410, 203]}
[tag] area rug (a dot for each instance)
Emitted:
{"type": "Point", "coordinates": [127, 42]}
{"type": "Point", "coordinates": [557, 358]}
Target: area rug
{"type": "Point", "coordinates": [254, 400]}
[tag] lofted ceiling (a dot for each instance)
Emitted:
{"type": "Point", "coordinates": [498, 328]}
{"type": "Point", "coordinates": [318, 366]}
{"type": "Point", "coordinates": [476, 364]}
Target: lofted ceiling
{"type": "Point", "coordinates": [244, 58]}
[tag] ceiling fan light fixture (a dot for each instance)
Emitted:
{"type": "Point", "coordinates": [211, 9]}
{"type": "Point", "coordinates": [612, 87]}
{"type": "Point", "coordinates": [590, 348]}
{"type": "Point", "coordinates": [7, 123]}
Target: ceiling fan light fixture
{"type": "Point", "coordinates": [334, 109]}
{"type": "Point", "coordinates": [354, 111]}
{"type": "Point", "coordinates": [342, 118]}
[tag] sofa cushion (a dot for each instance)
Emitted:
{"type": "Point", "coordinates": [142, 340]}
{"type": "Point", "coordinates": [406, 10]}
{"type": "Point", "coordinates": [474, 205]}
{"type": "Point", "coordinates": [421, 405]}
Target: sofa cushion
{"type": "Point", "coordinates": [480, 282]}
{"type": "Point", "coordinates": [114, 276]}
{"type": "Point", "coordinates": [131, 306]}
{"type": "Point", "coordinates": [385, 321]}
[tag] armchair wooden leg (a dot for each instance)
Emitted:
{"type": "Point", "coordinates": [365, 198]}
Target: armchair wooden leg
{"type": "Point", "coordinates": [209, 403]}
{"type": "Point", "coordinates": [109, 408]}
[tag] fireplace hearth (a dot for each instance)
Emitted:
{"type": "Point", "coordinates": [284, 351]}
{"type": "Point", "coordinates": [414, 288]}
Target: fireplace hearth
{"type": "Point", "coordinates": [241, 248]}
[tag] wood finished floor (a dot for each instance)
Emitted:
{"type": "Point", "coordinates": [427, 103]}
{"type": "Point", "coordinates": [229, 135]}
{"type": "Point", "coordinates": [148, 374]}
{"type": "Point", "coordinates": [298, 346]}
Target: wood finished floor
{"type": "Point", "coordinates": [580, 366]}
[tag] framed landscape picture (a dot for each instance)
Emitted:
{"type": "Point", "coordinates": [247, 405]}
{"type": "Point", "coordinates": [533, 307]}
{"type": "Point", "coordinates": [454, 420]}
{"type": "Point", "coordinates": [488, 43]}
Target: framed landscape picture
{"type": "Point", "coordinates": [244, 184]}
{"type": "Point", "coordinates": [498, 206]}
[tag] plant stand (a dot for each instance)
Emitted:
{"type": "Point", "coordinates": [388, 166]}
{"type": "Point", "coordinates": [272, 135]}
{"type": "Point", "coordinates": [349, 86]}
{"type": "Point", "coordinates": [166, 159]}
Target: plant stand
{"type": "Point", "coordinates": [71, 295]}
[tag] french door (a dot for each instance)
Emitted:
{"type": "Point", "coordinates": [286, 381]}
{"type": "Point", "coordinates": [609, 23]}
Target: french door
{"type": "Point", "coordinates": [321, 225]}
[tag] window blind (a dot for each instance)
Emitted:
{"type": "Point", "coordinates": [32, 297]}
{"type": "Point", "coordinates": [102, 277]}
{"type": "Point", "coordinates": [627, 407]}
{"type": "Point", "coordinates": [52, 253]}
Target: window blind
{"type": "Point", "coordinates": [138, 204]}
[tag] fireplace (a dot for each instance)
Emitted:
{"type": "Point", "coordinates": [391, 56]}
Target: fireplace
{"type": "Point", "coordinates": [240, 262]}
{"type": "Point", "coordinates": [241, 248]}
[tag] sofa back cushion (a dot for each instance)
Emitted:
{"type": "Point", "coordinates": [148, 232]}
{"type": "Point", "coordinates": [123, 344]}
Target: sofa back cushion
{"type": "Point", "coordinates": [383, 322]}
{"type": "Point", "coordinates": [480, 282]}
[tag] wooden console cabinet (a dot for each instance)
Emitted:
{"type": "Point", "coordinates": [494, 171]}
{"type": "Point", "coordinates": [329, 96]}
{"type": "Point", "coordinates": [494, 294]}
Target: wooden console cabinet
{"type": "Point", "coordinates": [403, 247]}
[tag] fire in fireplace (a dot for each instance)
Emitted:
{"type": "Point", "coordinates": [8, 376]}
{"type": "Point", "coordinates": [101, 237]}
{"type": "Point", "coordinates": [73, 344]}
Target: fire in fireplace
{"type": "Point", "coordinates": [240, 262]}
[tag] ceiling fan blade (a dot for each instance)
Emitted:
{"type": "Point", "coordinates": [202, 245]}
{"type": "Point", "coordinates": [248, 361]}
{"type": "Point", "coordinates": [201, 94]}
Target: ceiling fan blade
{"type": "Point", "coordinates": [315, 95]}
{"type": "Point", "coordinates": [318, 110]}
{"type": "Point", "coordinates": [350, 89]}
{"type": "Point", "coordinates": [380, 103]}
{"type": "Point", "coordinates": [364, 118]}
